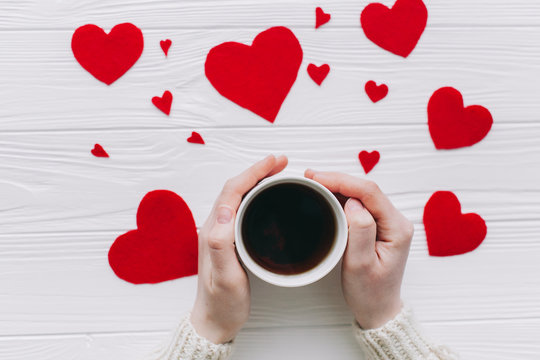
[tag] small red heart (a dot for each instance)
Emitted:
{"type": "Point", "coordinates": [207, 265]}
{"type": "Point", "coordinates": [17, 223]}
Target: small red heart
{"type": "Point", "coordinates": [107, 56]}
{"type": "Point", "coordinates": [369, 160]}
{"type": "Point", "coordinates": [256, 77]}
{"type": "Point", "coordinates": [98, 151]}
{"type": "Point", "coordinates": [397, 30]}
{"type": "Point", "coordinates": [318, 73]}
{"type": "Point", "coordinates": [321, 17]}
{"type": "Point", "coordinates": [164, 102]}
{"type": "Point", "coordinates": [164, 246]}
{"type": "Point", "coordinates": [448, 231]}
{"type": "Point", "coordinates": [165, 45]}
{"type": "Point", "coordinates": [451, 125]}
{"type": "Point", "coordinates": [376, 92]}
{"type": "Point", "coordinates": [195, 138]}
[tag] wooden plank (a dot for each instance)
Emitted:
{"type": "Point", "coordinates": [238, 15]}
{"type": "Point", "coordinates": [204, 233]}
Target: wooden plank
{"type": "Point", "coordinates": [62, 187]}
{"type": "Point", "coordinates": [472, 339]}
{"type": "Point", "coordinates": [60, 283]}
{"type": "Point", "coordinates": [167, 14]}
{"type": "Point", "coordinates": [44, 88]}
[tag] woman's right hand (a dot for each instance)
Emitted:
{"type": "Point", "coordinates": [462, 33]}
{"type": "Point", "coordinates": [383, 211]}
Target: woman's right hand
{"type": "Point", "coordinates": [377, 249]}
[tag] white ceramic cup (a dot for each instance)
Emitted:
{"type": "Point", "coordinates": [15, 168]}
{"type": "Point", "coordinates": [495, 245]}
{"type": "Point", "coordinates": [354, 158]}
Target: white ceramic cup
{"type": "Point", "coordinates": [314, 274]}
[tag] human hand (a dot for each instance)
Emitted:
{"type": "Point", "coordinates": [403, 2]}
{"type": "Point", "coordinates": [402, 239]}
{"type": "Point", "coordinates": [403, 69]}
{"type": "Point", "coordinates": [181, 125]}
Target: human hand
{"type": "Point", "coordinates": [377, 249]}
{"type": "Point", "coordinates": [223, 297]}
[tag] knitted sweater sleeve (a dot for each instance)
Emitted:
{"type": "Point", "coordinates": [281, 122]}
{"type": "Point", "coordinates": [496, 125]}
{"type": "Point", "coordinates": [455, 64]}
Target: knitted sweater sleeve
{"type": "Point", "coordinates": [399, 339]}
{"type": "Point", "coordinates": [186, 344]}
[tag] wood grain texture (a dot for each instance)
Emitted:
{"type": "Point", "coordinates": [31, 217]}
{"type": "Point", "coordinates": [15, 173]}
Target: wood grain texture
{"type": "Point", "coordinates": [61, 208]}
{"type": "Point", "coordinates": [187, 14]}
{"type": "Point", "coordinates": [44, 88]}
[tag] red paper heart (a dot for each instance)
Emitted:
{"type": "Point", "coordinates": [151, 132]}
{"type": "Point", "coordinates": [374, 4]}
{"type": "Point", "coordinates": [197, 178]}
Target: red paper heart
{"type": "Point", "coordinates": [448, 231]}
{"type": "Point", "coordinates": [256, 77]}
{"type": "Point", "coordinates": [195, 138]}
{"type": "Point", "coordinates": [164, 246]}
{"type": "Point", "coordinates": [321, 17]}
{"type": "Point", "coordinates": [98, 151]}
{"type": "Point", "coordinates": [369, 159]}
{"type": "Point", "coordinates": [453, 126]}
{"type": "Point", "coordinates": [165, 45]}
{"type": "Point", "coordinates": [376, 92]}
{"type": "Point", "coordinates": [164, 102]}
{"type": "Point", "coordinates": [398, 29]}
{"type": "Point", "coordinates": [318, 73]}
{"type": "Point", "coordinates": [107, 56]}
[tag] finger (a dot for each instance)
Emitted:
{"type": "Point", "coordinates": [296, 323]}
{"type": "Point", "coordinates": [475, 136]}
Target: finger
{"type": "Point", "coordinates": [362, 232]}
{"type": "Point", "coordinates": [238, 186]}
{"type": "Point", "coordinates": [371, 196]}
{"type": "Point", "coordinates": [221, 244]}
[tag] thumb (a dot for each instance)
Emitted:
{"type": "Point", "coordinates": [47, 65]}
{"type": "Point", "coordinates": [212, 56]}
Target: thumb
{"type": "Point", "coordinates": [221, 242]}
{"type": "Point", "coordinates": [362, 229]}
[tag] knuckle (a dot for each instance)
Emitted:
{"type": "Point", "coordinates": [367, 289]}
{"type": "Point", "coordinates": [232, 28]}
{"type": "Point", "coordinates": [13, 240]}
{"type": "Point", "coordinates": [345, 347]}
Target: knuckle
{"type": "Point", "coordinates": [362, 221]}
{"type": "Point", "coordinates": [216, 240]}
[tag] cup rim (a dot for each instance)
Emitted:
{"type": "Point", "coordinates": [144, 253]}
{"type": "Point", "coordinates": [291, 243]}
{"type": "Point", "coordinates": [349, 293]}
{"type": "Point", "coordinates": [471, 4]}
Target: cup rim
{"type": "Point", "coordinates": [314, 274]}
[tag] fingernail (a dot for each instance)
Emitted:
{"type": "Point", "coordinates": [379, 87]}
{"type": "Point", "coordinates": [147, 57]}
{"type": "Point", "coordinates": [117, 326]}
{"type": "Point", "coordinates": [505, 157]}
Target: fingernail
{"type": "Point", "coordinates": [353, 204]}
{"type": "Point", "coordinates": [224, 214]}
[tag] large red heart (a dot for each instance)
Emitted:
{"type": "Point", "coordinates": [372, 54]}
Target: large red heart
{"type": "Point", "coordinates": [453, 126]}
{"type": "Point", "coordinates": [256, 77]}
{"type": "Point", "coordinates": [448, 231]}
{"type": "Point", "coordinates": [164, 246]}
{"type": "Point", "coordinates": [398, 29]}
{"type": "Point", "coordinates": [107, 57]}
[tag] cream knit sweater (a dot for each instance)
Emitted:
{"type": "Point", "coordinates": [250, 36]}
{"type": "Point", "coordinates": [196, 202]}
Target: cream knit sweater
{"type": "Point", "coordinates": [399, 339]}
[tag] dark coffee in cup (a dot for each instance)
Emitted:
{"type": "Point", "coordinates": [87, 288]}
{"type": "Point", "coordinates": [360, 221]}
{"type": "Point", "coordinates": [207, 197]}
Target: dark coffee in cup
{"type": "Point", "coordinates": [288, 228]}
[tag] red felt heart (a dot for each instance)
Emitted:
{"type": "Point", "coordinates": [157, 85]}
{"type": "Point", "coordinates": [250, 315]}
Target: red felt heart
{"type": "Point", "coordinates": [453, 126]}
{"type": "Point", "coordinates": [164, 102]}
{"type": "Point", "coordinates": [256, 77]}
{"type": "Point", "coordinates": [376, 92]}
{"type": "Point", "coordinates": [321, 17]}
{"type": "Point", "coordinates": [98, 151]}
{"type": "Point", "coordinates": [448, 231]}
{"type": "Point", "coordinates": [164, 246]}
{"type": "Point", "coordinates": [318, 73]}
{"type": "Point", "coordinates": [107, 56]}
{"type": "Point", "coordinates": [195, 138]}
{"type": "Point", "coordinates": [369, 159]}
{"type": "Point", "coordinates": [165, 45]}
{"type": "Point", "coordinates": [398, 29]}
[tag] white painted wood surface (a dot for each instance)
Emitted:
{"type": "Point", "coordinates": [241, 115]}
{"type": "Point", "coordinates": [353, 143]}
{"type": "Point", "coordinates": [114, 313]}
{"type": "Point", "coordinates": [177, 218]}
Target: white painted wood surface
{"type": "Point", "coordinates": [61, 208]}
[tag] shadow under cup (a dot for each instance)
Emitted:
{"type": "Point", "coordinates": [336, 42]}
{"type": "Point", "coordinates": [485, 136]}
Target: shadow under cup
{"type": "Point", "coordinates": [290, 231]}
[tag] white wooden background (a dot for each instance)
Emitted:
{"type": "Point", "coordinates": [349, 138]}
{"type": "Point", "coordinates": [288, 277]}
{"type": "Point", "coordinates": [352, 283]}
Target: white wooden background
{"type": "Point", "coordinates": [61, 208]}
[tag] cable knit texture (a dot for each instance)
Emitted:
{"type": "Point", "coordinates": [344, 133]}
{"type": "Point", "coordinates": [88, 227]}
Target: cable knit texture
{"type": "Point", "coordinates": [399, 339]}
{"type": "Point", "coordinates": [186, 344]}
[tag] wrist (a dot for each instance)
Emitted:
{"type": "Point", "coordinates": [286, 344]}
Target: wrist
{"type": "Point", "coordinates": [377, 317]}
{"type": "Point", "coordinates": [206, 327]}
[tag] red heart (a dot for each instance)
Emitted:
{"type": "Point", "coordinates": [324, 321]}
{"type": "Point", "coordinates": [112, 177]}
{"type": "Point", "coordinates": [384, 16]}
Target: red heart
{"type": "Point", "coordinates": [451, 125]}
{"type": "Point", "coordinates": [448, 231]}
{"type": "Point", "coordinates": [256, 77]}
{"type": "Point", "coordinates": [321, 17]}
{"type": "Point", "coordinates": [369, 160]}
{"type": "Point", "coordinates": [398, 29]}
{"type": "Point", "coordinates": [164, 102]}
{"type": "Point", "coordinates": [195, 138]}
{"type": "Point", "coordinates": [318, 73]}
{"type": "Point", "coordinates": [376, 93]}
{"type": "Point", "coordinates": [98, 151]}
{"type": "Point", "coordinates": [164, 246]}
{"type": "Point", "coordinates": [165, 45]}
{"type": "Point", "coordinates": [107, 57]}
